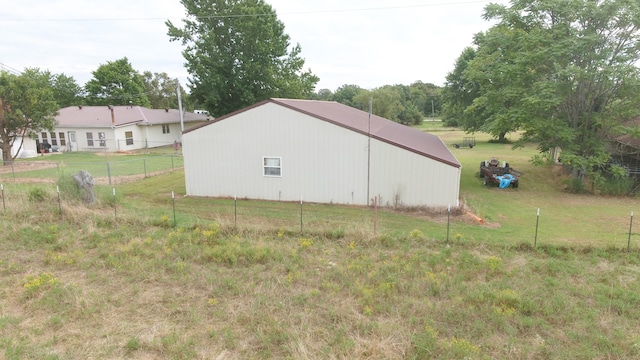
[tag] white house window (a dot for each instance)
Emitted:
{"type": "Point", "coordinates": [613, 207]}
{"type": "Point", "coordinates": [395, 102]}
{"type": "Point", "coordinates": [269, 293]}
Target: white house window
{"type": "Point", "coordinates": [165, 128]}
{"type": "Point", "coordinates": [103, 139]}
{"type": "Point", "coordinates": [62, 140]}
{"type": "Point", "coordinates": [271, 166]}
{"type": "Point", "coordinates": [89, 139]}
{"type": "Point", "coordinates": [128, 136]}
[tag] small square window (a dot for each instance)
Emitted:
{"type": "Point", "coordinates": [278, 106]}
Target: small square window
{"type": "Point", "coordinates": [166, 129]}
{"type": "Point", "coordinates": [271, 166]}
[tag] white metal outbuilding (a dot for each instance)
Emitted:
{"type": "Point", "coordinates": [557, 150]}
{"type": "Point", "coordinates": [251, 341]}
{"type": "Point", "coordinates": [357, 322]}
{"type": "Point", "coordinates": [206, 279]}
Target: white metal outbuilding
{"type": "Point", "coordinates": [318, 151]}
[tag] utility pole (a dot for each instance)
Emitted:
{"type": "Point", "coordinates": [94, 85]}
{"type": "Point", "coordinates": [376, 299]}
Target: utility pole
{"type": "Point", "coordinates": [369, 150]}
{"type": "Point", "coordinates": [180, 107]}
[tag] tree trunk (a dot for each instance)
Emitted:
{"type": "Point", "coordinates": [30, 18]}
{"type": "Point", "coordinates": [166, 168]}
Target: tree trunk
{"type": "Point", "coordinates": [502, 138]}
{"type": "Point", "coordinates": [6, 153]}
{"type": "Point", "coordinates": [5, 143]}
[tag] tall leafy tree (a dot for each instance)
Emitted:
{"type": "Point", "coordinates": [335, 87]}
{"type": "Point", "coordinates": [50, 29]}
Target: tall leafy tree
{"type": "Point", "coordinates": [27, 105]}
{"type": "Point", "coordinates": [346, 93]}
{"type": "Point", "coordinates": [322, 94]}
{"type": "Point", "coordinates": [116, 83]}
{"type": "Point", "coordinates": [563, 71]}
{"type": "Point", "coordinates": [162, 91]}
{"type": "Point", "coordinates": [503, 80]}
{"type": "Point", "coordinates": [237, 53]}
{"type": "Point", "coordinates": [426, 97]}
{"type": "Point", "coordinates": [391, 102]}
{"type": "Point", "coordinates": [66, 90]}
{"type": "Point", "coordinates": [459, 92]}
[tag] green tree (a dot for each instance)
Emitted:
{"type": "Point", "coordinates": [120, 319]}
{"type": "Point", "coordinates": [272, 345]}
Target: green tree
{"type": "Point", "coordinates": [322, 94]}
{"type": "Point", "coordinates": [346, 93]}
{"type": "Point", "coordinates": [385, 102]}
{"type": "Point", "coordinates": [27, 105]}
{"type": "Point", "coordinates": [390, 102]}
{"type": "Point", "coordinates": [162, 91]}
{"type": "Point", "coordinates": [116, 83]}
{"type": "Point", "coordinates": [459, 92]}
{"type": "Point", "coordinates": [426, 97]}
{"type": "Point", "coordinates": [66, 90]}
{"type": "Point", "coordinates": [562, 71]}
{"type": "Point", "coordinates": [237, 53]}
{"type": "Point", "coordinates": [503, 82]}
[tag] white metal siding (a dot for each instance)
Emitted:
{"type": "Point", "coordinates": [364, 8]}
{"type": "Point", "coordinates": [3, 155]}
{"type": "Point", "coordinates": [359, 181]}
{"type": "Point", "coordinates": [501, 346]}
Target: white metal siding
{"type": "Point", "coordinates": [321, 162]}
{"type": "Point", "coordinates": [401, 177]}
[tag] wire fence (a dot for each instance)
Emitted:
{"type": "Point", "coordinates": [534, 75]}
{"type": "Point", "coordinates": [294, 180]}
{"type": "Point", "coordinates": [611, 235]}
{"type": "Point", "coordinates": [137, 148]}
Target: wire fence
{"type": "Point", "coordinates": [306, 219]}
{"type": "Point", "coordinates": [104, 172]}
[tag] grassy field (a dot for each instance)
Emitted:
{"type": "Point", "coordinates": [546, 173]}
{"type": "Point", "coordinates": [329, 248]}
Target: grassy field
{"type": "Point", "coordinates": [99, 165]}
{"type": "Point", "coordinates": [249, 280]}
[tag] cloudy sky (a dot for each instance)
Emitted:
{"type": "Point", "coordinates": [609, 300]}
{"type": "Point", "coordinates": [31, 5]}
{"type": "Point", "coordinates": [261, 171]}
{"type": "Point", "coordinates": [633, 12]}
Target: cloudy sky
{"type": "Point", "coordinates": [369, 43]}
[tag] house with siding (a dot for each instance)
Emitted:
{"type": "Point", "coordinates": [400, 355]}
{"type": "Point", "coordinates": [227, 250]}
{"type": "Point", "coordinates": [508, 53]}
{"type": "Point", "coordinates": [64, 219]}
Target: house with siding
{"type": "Point", "coordinates": [318, 151]}
{"type": "Point", "coordinates": [117, 128]}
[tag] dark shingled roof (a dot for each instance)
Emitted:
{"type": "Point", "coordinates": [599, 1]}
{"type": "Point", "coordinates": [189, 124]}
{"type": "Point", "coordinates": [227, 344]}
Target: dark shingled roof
{"type": "Point", "coordinates": [402, 136]}
{"type": "Point", "coordinates": [629, 140]}
{"type": "Point", "coordinates": [100, 116]}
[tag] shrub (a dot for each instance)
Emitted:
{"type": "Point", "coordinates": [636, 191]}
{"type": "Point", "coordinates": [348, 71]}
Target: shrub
{"type": "Point", "coordinates": [68, 187]}
{"type": "Point", "coordinates": [37, 195]}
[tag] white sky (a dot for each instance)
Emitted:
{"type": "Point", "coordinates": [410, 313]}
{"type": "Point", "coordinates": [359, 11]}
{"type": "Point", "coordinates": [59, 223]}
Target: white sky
{"type": "Point", "coordinates": [369, 43]}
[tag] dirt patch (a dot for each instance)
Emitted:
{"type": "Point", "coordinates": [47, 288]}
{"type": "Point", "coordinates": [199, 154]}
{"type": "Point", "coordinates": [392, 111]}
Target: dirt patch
{"type": "Point", "coordinates": [25, 166]}
{"type": "Point", "coordinates": [441, 215]}
{"type": "Point", "coordinates": [98, 180]}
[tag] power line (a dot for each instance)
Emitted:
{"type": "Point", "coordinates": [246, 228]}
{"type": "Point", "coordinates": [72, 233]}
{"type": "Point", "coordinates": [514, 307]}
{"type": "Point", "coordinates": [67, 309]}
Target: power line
{"type": "Point", "coordinates": [259, 15]}
{"type": "Point", "coordinates": [9, 69]}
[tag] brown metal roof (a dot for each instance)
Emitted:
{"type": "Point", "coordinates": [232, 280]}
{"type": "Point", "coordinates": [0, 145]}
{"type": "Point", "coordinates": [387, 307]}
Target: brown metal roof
{"type": "Point", "coordinates": [100, 116]}
{"type": "Point", "coordinates": [380, 128]}
{"type": "Point", "coordinates": [351, 118]}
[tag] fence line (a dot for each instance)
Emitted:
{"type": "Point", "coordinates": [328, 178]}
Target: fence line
{"type": "Point", "coordinates": [290, 217]}
{"type": "Point", "coordinates": [107, 172]}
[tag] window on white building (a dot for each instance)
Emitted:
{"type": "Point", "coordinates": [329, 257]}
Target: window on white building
{"type": "Point", "coordinates": [165, 129]}
{"type": "Point", "coordinates": [103, 139]}
{"type": "Point", "coordinates": [128, 136]}
{"type": "Point", "coordinates": [89, 139]}
{"type": "Point", "coordinates": [271, 166]}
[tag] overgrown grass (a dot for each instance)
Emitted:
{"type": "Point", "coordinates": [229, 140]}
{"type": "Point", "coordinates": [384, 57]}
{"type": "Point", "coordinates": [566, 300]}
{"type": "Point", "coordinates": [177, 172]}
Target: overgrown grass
{"type": "Point", "coordinates": [97, 285]}
{"type": "Point", "coordinates": [236, 280]}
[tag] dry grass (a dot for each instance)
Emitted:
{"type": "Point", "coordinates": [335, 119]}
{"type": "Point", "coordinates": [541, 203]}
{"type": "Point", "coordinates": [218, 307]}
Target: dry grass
{"type": "Point", "coordinates": [135, 287]}
{"type": "Point", "coordinates": [128, 284]}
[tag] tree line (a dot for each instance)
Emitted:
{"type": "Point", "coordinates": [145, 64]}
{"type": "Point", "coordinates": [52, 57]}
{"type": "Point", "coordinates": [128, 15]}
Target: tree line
{"type": "Point", "coordinates": [406, 104]}
{"type": "Point", "coordinates": [562, 72]}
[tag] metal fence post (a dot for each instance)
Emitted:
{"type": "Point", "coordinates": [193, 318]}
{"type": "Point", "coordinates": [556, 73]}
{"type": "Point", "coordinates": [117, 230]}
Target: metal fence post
{"type": "Point", "coordinates": [535, 239]}
{"type": "Point", "coordinates": [448, 221]}
{"type": "Point", "coordinates": [109, 172]}
{"type": "Point", "coordinates": [630, 228]}
{"type": "Point", "coordinates": [144, 165]}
